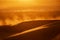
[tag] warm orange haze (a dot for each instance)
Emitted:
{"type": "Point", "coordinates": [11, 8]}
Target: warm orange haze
{"type": "Point", "coordinates": [29, 19]}
{"type": "Point", "coordinates": [16, 11]}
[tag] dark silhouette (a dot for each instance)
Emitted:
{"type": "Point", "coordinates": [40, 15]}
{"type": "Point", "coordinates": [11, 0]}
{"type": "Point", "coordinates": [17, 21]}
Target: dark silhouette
{"type": "Point", "coordinates": [44, 34]}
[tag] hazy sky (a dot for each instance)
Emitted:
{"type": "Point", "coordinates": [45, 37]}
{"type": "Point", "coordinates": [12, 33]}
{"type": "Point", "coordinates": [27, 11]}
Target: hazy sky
{"type": "Point", "coordinates": [9, 9]}
{"type": "Point", "coordinates": [30, 3]}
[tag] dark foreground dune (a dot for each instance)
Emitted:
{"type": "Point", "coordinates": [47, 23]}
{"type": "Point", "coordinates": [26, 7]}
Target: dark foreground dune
{"type": "Point", "coordinates": [48, 33]}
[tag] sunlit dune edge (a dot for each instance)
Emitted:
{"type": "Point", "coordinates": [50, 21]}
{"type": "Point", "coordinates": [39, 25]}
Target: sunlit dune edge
{"type": "Point", "coordinates": [16, 21]}
{"type": "Point", "coordinates": [27, 31]}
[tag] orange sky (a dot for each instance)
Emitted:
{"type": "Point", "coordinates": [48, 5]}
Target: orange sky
{"type": "Point", "coordinates": [52, 4]}
{"type": "Point", "coordinates": [29, 10]}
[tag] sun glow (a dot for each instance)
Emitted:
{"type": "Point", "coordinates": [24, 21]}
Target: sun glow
{"type": "Point", "coordinates": [16, 11]}
{"type": "Point", "coordinates": [27, 3]}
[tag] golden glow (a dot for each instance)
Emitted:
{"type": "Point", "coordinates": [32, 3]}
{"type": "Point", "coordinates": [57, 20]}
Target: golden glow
{"type": "Point", "coordinates": [26, 1]}
{"type": "Point", "coordinates": [16, 11]}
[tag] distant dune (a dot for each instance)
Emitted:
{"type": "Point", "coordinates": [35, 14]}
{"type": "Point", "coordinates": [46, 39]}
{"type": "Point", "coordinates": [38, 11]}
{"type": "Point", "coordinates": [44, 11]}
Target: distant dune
{"type": "Point", "coordinates": [50, 33]}
{"type": "Point", "coordinates": [7, 30]}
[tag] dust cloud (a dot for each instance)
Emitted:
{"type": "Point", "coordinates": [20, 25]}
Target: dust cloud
{"type": "Point", "coordinates": [13, 12]}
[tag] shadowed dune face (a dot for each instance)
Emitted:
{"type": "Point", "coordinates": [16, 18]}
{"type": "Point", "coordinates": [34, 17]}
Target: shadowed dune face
{"type": "Point", "coordinates": [57, 37]}
{"type": "Point", "coordinates": [48, 33]}
{"type": "Point", "coordinates": [8, 30]}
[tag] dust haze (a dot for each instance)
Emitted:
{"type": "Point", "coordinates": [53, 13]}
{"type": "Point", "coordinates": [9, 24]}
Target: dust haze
{"type": "Point", "coordinates": [13, 11]}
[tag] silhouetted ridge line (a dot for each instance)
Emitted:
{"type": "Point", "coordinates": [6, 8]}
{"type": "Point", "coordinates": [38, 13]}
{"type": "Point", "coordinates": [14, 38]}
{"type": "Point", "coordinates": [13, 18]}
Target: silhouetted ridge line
{"type": "Point", "coordinates": [7, 30]}
{"type": "Point", "coordinates": [44, 34]}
